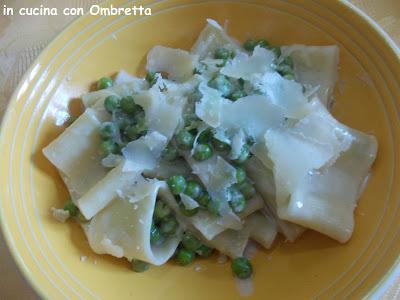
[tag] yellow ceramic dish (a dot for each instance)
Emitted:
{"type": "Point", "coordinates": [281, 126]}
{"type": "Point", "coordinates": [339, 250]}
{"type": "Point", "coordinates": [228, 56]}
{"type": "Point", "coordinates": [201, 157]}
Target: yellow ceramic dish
{"type": "Point", "coordinates": [368, 96]}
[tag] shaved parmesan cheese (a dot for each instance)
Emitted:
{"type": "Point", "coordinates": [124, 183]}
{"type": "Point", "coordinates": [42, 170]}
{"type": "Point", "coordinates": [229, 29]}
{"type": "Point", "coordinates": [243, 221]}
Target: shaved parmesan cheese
{"type": "Point", "coordinates": [80, 165]}
{"type": "Point", "coordinates": [137, 190]}
{"type": "Point", "coordinates": [210, 66]}
{"type": "Point", "coordinates": [200, 129]}
{"type": "Point", "coordinates": [253, 114]}
{"type": "Point", "coordinates": [166, 169]}
{"type": "Point", "coordinates": [111, 160]}
{"type": "Point", "coordinates": [211, 38]}
{"type": "Point", "coordinates": [221, 135]}
{"type": "Point", "coordinates": [316, 66]}
{"type": "Point", "coordinates": [60, 215]}
{"type": "Point", "coordinates": [92, 98]}
{"type": "Point", "coordinates": [246, 67]}
{"type": "Point", "coordinates": [162, 115]}
{"type": "Point", "coordinates": [179, 64]}
{"type": "Point", "coordinates": [238, 141]}
{"type": "Point", "coordinates": [216, 174]}
{"type": "Point", "coordinates": [188, 202]}
{"type": "Point", "coordinates": [287, 94]}
{"type": "Point", "coordinates": [132, 86]}
{"type": "Point", "coordinates": [178, 92]}
{"type": "Point", "coordinates": [144, 153]}
{"type": "Point", "coordinates": [124, 77]}
{"type": "Point", "coordinates": [209, 109]}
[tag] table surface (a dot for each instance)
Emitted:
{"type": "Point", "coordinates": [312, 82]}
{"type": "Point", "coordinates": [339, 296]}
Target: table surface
{"type": "Point", "coordinates": [20, 44]}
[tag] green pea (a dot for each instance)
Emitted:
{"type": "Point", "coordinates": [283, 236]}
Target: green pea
{"type": "Point", "coordinates": [277, 51]}
{"type": "Point", "coordinates": [108, 147]}
{"type": "Point", "coordinates": [120, 146]}
{"type": "Point", "coordinates": [284, 69]}
{"type": "Point", "coordinates": [190, 242]}
{"type": "Point", "coordinates": [240, 175]}
{"type": "Point", "coordinates": [190, 120]}
{"type": "Point", "coordinates": [151, 78]}
{"type": "Point", "coordinates": [170, 153]}
{"type": "Point", "coordinates": [111, 103]}
{"type": "Point", "coordinates": [202, 152]}
{"type": "Point", "coordinates": [156, 238]}
{"type": "Point", "coordinates": [188, 212]}
{"type": "Point", "coordinates": [184, 139]}
{"type": "Point", "coordinates": [128, 105]}
{"type": "Point", "coordinates": [141, 123]}
{"type": "Point", "coordinates": [247, 189]}
{"type": "Point", "coordinates": [132, 132]}
{"type": "Point", "coordinates": [122, 119]}
{"type": "Point", "coordinates": [82, 219]}
{"type": "Point", "coordinates": [184, 257]}
{"type": "Point", "coordinates": [177, 184]}
{"type": "Point", "coordinates": [200, 69]}
{"type": "Point", "coordinates": [221, 65]}
{"type": "Point", "coordinates": [223, 53]}
{"type": "Point", "coordinates": [288, 60]}
{"type": "Point", "coordinates": [104, 83]}
{"type": "Point", "coordinates": [140, 114]}
{"type": "Point", "coordinates": [289, 76]}
{"type": "Point", "coordinates": [251, 141]}
{"type": "Point", "coordinates": [205, 136]}
{"type": "Point", "coordinates": [250, 44]}
{"type": "Point", "coordinates": [204, 251]}
{"type": "Point", "coordinates": [204, 199]}
{"type": "Point", "coordinates": [135, 131]}
{"type": "Point", "coordinates": [71, 208]}
{"type": "Point", "coordinates": [242, 268]}
{"type": "Point", "coordinates": [161, 210]}
{"type": "Point", "coordinates": [169, 226]}
{"type": "Point", "coordinates": [244, 155]}
{"type": "Point", "coordinates": [237, 95]}
{"type": "Point", "coordinates": [220, 146]}
{"type": "Point", "coordinates": [193, 189]}
{"type": "Point", "coordinates": [222, 84]}
{"type": "Point", "coordinates": [108, 130]}
{"type": "Point", "coordinates": [263, 43]}
{"type": "Point", "coordinates": [139, 266]}
{"type": "Point", "coordinates": [237, 201]}
{"type": "Point", "coordinates": [214, 207]}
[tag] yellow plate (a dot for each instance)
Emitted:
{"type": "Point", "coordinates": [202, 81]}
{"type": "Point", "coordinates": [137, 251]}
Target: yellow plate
{"type": "Point", "coordinates": [368, 96]}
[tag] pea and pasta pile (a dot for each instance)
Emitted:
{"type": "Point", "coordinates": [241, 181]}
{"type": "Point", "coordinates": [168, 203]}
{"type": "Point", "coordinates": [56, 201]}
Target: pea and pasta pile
{"type": "Point", "coordinates": [217, 146]}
